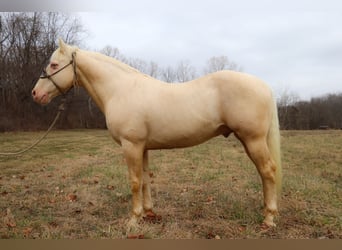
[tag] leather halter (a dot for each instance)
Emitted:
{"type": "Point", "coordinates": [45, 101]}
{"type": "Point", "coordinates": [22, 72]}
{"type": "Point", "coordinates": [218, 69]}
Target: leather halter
{"type": "Point", "coordinates": [72, 62]}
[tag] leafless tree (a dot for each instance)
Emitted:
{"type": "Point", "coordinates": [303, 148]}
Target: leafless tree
{"type": "Point", "coordinates": [153, 70]}
{"type": "Point", "coordinates": [185, 72]}
{"type": "Point", "coordinates": [149, 68]}
{"type": "Point", "coordinates": [112, 52]}
{"type": "Point", "coordinates": [168, 74]}
{"type": "Point", "coordinates": [286, 103]}
{"type": "Point", "coordinates": [217, 63]}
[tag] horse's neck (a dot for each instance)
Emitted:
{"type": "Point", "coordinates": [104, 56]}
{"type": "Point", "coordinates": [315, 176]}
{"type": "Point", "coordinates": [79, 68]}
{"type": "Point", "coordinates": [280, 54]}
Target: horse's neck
{"type": "Point", "coordinates": [102, 77]}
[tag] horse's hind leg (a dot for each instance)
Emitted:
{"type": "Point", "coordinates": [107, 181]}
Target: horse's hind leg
{"type": "Point", "coordinates": [258, 151]}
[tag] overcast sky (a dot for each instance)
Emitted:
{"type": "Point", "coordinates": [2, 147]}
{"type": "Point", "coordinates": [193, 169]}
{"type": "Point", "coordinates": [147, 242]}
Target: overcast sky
{"type": "Point", "coordinates": [294, 45]}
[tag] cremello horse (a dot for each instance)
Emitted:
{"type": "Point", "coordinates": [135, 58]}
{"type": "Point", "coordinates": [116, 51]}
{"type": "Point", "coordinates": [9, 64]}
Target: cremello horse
{"type": "Point", "coordinates": [143, 113]}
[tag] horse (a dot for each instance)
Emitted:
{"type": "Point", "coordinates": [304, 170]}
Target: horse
{"type": "Point", "coordinates": [143, 113]}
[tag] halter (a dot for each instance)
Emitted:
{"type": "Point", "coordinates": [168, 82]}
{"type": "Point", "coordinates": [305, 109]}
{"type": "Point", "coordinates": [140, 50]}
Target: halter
{"type": "Point", "coordinates": [46, 76]}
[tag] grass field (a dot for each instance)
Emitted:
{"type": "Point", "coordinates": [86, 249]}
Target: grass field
{"type": "Point", "coordinates": [74, 185]}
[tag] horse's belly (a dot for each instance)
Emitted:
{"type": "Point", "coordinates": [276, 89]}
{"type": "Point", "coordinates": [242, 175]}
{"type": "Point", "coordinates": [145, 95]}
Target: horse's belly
{"type": "Point", "coordinates": [177, 142]}
{"type": "Point", "coordinates": [167, 138]}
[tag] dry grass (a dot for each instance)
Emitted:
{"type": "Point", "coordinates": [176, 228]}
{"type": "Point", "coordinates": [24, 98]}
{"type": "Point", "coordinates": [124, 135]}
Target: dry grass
{"type": "Point", "coordinates": [74, 185]}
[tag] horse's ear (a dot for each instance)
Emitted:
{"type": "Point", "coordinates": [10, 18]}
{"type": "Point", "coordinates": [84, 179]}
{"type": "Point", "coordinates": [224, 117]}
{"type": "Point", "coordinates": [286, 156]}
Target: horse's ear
{"type": "Point", "coordinates": [62, 45]}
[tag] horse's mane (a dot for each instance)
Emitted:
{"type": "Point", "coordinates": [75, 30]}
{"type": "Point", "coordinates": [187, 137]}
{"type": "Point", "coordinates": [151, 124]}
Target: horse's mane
{"type": "Point", "coordinates": [110, 60]}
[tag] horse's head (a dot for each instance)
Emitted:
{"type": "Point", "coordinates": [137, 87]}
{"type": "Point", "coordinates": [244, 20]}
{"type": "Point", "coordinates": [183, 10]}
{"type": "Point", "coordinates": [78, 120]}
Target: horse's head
{"type": "Point", "coordinates": [58, 77]}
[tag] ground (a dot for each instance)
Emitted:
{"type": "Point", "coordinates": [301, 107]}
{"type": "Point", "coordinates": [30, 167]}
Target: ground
{"type": "Point", "coordinates": [74, 185]}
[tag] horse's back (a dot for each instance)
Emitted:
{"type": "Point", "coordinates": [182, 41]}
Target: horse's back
{"type": "Point", "coordinates": [240, 84]}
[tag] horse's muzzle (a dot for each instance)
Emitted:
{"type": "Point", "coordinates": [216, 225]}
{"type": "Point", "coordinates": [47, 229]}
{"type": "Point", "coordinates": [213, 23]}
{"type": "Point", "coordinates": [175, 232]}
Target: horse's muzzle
{"type": "Point", "coordinates": [41, 98]}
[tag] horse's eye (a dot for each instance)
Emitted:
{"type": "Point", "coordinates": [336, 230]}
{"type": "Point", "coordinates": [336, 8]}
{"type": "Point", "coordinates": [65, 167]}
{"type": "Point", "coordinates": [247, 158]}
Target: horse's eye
{"type": "Point", "coordinates": [54, 65]}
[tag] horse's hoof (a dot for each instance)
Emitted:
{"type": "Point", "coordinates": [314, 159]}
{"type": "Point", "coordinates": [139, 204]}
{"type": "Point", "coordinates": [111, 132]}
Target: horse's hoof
{"type": "Point", "coordinates": [266, 226]}
{"type": "Point", "coordinates": [135, 236]}
{"type": "Point", "coordinates": [152, 217]}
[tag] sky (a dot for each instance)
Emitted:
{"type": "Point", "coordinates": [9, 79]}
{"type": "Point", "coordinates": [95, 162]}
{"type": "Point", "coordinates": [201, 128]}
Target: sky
{"type": "Point", "coordinates": [295, 46]}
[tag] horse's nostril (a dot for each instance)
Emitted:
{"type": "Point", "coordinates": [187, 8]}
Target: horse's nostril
{"type": "Point", "coordinates": [33, 93]}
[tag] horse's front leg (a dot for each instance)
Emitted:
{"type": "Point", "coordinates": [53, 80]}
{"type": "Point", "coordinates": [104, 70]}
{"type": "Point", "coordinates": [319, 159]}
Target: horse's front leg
{"type": "Point", "coordinates": [147, 203]}
{"type": "Point", "coordinates": [133, 153]}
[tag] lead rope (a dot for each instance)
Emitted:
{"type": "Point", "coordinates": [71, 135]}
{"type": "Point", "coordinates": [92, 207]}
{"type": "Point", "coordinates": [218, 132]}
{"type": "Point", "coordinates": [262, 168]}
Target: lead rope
{"type": "Point", "coordinates": [60, 110]}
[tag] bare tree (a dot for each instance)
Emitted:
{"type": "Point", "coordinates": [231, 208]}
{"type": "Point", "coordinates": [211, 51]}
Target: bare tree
{"type": "Point", "coordinates": [286, 104]}
{"type": "Point", "coordinates": [153, 70]}
{"type": "Point", "coordinates": [287, 98]}
{"type": "Point", "coordinates": [217, 63]}
{"type": "Point", "coordinates": [112, 52]}
{"type": "Point", "coordinates": [138, 64]}
{"type": "Point", "coordinates": [62, 25]}
{"type": "Point", "coordinates": [168, 74]}
{"type": "Point", "coordinates": [185, 72]}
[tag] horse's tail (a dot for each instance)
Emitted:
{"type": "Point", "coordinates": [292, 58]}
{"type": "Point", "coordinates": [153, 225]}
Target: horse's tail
{"type": "Point", "coordinates": [273, 142]}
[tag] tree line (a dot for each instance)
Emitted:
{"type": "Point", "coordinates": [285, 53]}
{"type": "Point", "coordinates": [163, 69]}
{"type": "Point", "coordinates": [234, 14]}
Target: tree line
{"type": "Point", "coordinates": [27, 40]}
{"type": "Point", "coordinates": [324, 112]}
